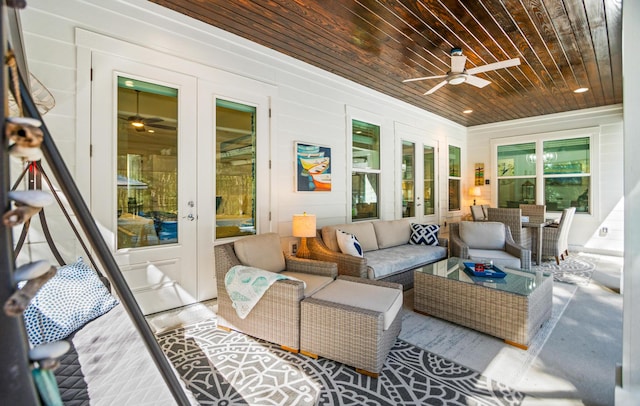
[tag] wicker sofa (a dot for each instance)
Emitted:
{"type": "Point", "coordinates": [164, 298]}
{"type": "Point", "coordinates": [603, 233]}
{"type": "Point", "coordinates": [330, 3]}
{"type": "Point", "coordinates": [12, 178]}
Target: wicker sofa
{"type": "Point", "coordinates": [388, 256]}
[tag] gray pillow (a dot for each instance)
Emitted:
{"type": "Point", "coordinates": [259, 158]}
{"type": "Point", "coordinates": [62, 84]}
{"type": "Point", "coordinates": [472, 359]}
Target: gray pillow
{"type": "Point", "coordinates": [487, 235]}
{"type": "Point", "coordinates": [261, 251]}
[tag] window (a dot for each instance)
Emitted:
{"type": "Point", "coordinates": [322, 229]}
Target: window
{"type": "Point", "coordinates": [365, 170]}
{"type": "Point", "coordinates": [561, 167]}
{"type": "Point", "coordinates": [567, 174]}
{"type": "Point", "coordinates": [516, 174]}
{"type": "Point", "coordinates": [454, 178]}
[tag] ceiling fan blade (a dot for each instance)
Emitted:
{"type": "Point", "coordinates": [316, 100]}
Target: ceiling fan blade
{"type": "Point", "coordinates": [494, 66]}
{"type": "Point", "coordinates": [161, 126]}
{"type": "Point", "coordinates": [424, 78]}
{"type": "Point", "coordinates": [436, 87]}
{"type": "Point", "coordinates": [476, 81]}
{"type": "Point", "coordinates": [152, 120]}
{"type": "Point", "coordinates": [457, 63]}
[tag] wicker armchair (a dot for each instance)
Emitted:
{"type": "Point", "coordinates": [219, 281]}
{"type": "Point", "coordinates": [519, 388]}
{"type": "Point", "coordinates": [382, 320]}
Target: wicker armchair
{"type": "Point", "coordinates": [555, 240]}
{"type": "Point", "coordinates": [276, 317]}
{"type": "Point", "coordinates": [482, 248]}
{"type": "Point", "coordinates": [513, 218]}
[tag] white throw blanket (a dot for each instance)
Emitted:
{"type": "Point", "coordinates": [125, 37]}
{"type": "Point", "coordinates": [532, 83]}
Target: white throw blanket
{"type": "Point", "coordinates": [246, 285]}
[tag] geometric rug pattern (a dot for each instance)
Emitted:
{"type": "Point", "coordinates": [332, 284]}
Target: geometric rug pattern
{"type": "Point", "coordinates": [575, 269]}
{"type": "Point", "coordinates": [235, 369]}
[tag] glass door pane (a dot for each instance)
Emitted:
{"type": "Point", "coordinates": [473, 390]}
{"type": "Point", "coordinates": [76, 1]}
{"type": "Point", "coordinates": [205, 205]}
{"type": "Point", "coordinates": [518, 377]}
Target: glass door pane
{"type": "Point", "coordinates": [235, 169]}
{"type": "Point", "coordinates": [429, 158]}
{"type": "Point", "coordinates": [147, 165]}
{"type": "Point", "coordinates": [408, 179]}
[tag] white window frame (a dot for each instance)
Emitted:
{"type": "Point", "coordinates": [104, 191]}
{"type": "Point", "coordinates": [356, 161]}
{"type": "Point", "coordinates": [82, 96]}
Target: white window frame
{"type": "Point", "coordinates": [373, 119]}
{"type": "Point", "coordinates": [539, 138]}
{"type": "Point", "coordinates": [458, 178]}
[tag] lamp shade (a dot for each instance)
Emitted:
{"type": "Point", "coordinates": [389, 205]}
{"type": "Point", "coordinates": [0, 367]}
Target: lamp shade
{"type": "Point", "coordinates": [304, 225]}
{"type": "Point", "coordinates": [475, 191]}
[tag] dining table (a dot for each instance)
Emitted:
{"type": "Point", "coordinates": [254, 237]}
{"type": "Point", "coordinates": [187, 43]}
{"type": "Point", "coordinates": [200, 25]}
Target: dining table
{"type": "Point", "coordinates": [538, 233]}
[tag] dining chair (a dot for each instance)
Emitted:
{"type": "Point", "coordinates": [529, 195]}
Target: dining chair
{"type": "Point", "coordinates": [513, 218]}
{"type": "Point", "coordinates": [477, 213]}
{"type": "Point", "coordinates": [536, 212]}
{"type": "Point", "coordinates": [555, 240]}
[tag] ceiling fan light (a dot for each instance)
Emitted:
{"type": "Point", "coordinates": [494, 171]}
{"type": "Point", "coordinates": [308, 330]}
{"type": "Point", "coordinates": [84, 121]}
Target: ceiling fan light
{"type": "Point", "coordinates": [457, 79]}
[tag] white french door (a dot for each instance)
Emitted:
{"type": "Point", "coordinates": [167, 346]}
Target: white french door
{"type": "Point", "coordinates": [144, 176]}
{"type": "Point", "coordinates": [416, 163]}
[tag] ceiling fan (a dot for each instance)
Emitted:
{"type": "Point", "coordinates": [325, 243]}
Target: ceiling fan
{"type": "Point", "coordinates": [141, 123]}
{"type": "Point", "coordinates": [458, 74]}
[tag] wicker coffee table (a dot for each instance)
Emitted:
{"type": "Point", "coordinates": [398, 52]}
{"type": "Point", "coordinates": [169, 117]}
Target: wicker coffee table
{"type": "Point", "coordinates": [512, 308]}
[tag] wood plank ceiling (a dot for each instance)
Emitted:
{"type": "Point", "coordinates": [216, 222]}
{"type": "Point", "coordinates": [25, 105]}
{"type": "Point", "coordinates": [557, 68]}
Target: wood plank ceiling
{"type": "Point", "coordinates": [562, 44]}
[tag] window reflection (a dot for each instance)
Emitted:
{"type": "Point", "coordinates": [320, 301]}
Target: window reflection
{"type": "Point", "coordinates": [429, 181]}
{"type": "Point", "coordinates": [365, 170]}
{"type": "Point", "coordinates": [454, 177]}
{"type": "Point", "coordinates": [408, 179]}
{"type": "Point", "coordinates": [235, 169]}
{"type": "Point", "coordinates": [147, 168]}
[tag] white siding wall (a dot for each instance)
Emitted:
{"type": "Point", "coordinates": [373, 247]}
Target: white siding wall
{"type": "Point", "coordinates": [310, 104]}
{"type": "Point", "coordinates": [585, 232]}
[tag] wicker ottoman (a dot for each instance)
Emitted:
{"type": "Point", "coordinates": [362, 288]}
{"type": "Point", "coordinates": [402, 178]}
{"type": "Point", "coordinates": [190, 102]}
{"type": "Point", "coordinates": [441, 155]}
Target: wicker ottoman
{"type": "Point", "coordinates": [354, 321]}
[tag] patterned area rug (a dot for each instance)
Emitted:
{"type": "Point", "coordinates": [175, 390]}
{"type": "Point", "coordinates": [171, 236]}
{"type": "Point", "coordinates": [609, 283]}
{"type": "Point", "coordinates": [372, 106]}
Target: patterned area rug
{"type": "Point", "coordinates": [575, 269]}
{"type": "Point", "coordinates": [234, 369]}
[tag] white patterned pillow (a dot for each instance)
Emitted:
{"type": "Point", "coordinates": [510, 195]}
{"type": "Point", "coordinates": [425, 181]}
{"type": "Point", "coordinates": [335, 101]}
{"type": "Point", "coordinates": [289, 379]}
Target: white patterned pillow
{"type": "Point", "coordinates": [424, 234]}
{"type": "Point", "coordinates": [348, 244]}
{"type": "Point", "coordinates": [69, 300]}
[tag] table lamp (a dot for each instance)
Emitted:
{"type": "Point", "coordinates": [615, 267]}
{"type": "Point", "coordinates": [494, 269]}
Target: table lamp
{"type": "Point", "coordinates": [304, 226]}
{"type": "Point", "coordinates": [475, 192]}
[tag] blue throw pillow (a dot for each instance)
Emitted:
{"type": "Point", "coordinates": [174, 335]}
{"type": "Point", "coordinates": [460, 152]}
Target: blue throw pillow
{"type": "Point", "coordinates": [424, 234]}
{"type": "Point", "coordinates": [349, 244]}
{"type": "Point", "coordinates": [69, 300]}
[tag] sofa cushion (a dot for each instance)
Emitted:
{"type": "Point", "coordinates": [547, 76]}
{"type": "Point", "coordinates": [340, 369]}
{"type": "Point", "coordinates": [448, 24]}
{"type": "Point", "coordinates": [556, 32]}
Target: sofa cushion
{"type": "Point", "coordinates": [348, 244]}
{"type": "Point", "coordinates": [363, 231]}
{"type": "Point", "coordinates": [499, 257]}
{"type": "Point", "coordinates": [387, 301]}
{"type": "Point", "coordinates": [389, 261]}
{"type": "Point", "coordinates": [261, 251]}
{"type": "Point", "coordinates": [392, 233]}
{"type": "Point", "coordinates": [424, 234]}
{"type": "Point", "coordinates": [312, 283]}
{"type": "Point", "coordinates": [490, 235]}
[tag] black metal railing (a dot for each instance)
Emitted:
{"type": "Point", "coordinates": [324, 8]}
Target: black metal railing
{"type": "Point", "coordinates": [16, 385]}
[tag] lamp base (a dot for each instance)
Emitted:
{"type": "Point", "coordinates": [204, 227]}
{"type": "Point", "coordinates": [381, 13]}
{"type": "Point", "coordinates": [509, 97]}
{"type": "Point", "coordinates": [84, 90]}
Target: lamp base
{"type": "Point", "coordinates": [303, 250]}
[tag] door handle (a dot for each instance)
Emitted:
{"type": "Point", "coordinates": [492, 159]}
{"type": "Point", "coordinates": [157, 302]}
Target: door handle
{"type": "Point", "coordinates": [189, 217]}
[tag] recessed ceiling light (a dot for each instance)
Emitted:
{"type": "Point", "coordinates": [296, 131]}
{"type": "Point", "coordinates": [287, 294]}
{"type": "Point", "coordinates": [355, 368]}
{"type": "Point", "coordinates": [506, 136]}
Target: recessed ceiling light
{"type": "Point", "coordinates": [467, 111]}
{"type": "Point", "coordinates": [581, 90]}
{"type": "Point", "coordinates": [129, 83]}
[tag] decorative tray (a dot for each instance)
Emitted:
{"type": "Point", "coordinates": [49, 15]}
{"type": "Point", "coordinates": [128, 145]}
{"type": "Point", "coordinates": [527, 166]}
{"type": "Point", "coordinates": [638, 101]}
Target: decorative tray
{"type": "Point", "coordinates": [493, 272]}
